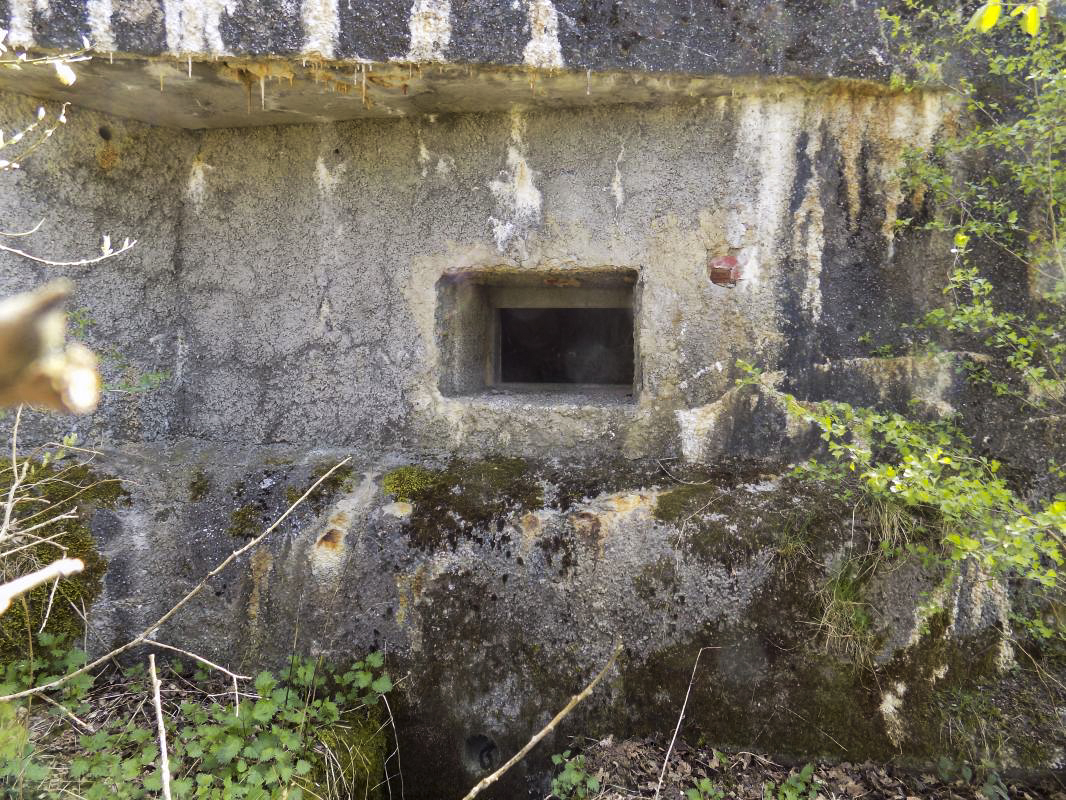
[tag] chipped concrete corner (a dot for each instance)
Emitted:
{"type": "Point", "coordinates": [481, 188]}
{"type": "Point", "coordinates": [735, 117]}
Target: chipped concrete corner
{"type": "Point", "coordinates": [289, 284]}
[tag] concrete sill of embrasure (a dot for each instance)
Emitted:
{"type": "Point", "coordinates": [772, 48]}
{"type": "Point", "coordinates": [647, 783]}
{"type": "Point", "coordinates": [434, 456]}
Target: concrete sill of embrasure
{"type": "Point", "coordinates": [520, 395]}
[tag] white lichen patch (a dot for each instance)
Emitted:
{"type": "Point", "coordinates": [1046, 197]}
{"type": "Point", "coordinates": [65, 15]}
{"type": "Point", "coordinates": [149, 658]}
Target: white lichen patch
{"type": "Point", "coordinates": [543, 49]}
{"type": "Point", "coordinates": [330, 547]}
{"type": "Point", "coordinates": [321, 24]}
{"type": "Point", "coordinates": [431, 30]}
{"type": "Point", "coordinates": [100, 34]}
{"type": "Point", "coordinates": [192, 26]}
{"type": "Point", "coordinates": [891, 703]}
{"type": "Point", "coordinates": [699, 427]}
{"type": "Point", "coordinates": [518, 200]}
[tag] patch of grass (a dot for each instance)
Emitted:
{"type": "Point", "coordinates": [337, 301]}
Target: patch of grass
{"type": "Point", "coordinates": [845, 625]}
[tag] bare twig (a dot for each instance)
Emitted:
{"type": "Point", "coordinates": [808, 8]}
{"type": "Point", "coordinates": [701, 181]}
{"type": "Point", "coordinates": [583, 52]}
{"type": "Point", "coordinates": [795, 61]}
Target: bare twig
{"type": "Point", "coordinates": [680, 719]}
{"type": "Point", "coordinates": [32, 230]}
{"type": "Point", "coordinates": [144, 635]}
{"type": "Point", "coordinates": [804, 719]}
{"type": "Point", "coordinates": [396, 737]}
{"type": "Point", "coordinates": [81, 262]}
{"type": "Point", "coordinates": [48, 608]}
{"type": "Point", "coordinates": [201, 659]}
{"type": "Point", "coordinates": [9, 506]}
{"type": "Point", "coordinates": [577, 698]}
{"type": "Point", "coordinates": [69, 714]}
{"type": "Point", "coordinates": [164, 760]}
{"type": "Point", "coordinates": [57, 569]}
{"type": "Point", "coordinates": [673, 477]}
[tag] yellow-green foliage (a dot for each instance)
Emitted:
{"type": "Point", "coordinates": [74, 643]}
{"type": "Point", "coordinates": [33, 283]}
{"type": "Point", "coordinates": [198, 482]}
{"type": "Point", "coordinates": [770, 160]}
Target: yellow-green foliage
{"type": "Point", "coordinates": [60, 488]}
{"type": "Point", "coordinates": [404, 482]}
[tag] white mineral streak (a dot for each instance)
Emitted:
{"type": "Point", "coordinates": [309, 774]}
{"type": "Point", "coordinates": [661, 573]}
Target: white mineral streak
{"type": "Point", "coordinates": [196, 186]}
{"type": "Point", "coordinates": [767, 132]}
{"type": "Point", "coordinates": [431, 30]}
{"type": "Point", "coordinates": [808, 235]}
{"type": "Point", "coordinates": [517, 198]}
{"type": "Point", "coordinates": [891, 701]}
{"type": "Point", "coordinates": [543, 49]}
{"type": "Point", "coordinates": [100, 35]}
{"type": "Point", "coordinates": [322, 27]}
{"type": "Point", "coordinates": [617, 189]}
{"type": "Point", "coordinates": [192, 25]}
{"type": "Point", "coordinates": [328, 180]}
{"type": "Point", "coordinates": [20, 23]}
{"type": "Point", "coordinates": [424, 156]}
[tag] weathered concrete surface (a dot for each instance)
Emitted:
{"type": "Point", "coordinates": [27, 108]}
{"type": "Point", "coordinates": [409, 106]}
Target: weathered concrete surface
{"type": "Point", "coordinates": [769, 37]}
{"type": "Point", "coordinates": [286, 276]}
{"type": "Point", "coordinates": [208, 63]}
{"type": "Point", "coordinates": [285, 282]}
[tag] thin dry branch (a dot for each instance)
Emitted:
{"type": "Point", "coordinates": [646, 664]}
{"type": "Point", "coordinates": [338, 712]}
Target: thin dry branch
{"type": "Point", "coordinates": [69, 714]}
{"type": "Point", "coordinates": [81, 262]}
{"type": "Point", "coordinates": [201, 659]}
{"type": "Point", "coordinates": [680, 719]}
{"type": "Point", "coordinates": [57, 569]}
{"type": "Point", "coordinates": [577, 698]}
{"type": "Point", "coordinates": [144, 635]}
{"type": "Point", "coordinates": [164, 758]}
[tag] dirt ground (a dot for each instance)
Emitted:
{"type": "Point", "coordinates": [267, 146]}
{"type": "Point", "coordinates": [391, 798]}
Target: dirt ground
{"type": "Point", "coordinates": [631, 769]}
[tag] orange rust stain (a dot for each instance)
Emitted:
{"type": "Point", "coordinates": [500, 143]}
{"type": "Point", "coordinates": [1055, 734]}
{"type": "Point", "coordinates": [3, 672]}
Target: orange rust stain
{"type": "Point", "coordinates": [331, 539]}
{"type": "Point", "coordinates": [107, 157]}
{"type": "Point", "coordinates": [553, 280]}
{"type": "Point", "coordinates": [339, 520]}
{"type": "Point", "coordinates": [625, 503]}
{"type": "Point", "coordinates": [587, 525]}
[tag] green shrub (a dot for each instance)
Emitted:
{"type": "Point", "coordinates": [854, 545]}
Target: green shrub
{"type": "Point", "coordinates": [284, 738]}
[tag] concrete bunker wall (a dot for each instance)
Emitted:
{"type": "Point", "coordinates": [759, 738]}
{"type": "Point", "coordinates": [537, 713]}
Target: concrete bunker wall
{"type": "Point", "coordinates": [288, 284]}
{"type": "Point", "coordinates": [286, 278]}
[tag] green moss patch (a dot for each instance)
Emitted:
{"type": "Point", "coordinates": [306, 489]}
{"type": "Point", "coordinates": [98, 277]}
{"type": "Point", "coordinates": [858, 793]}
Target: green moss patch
{"type": "Point", "coordinates": [729, 523]}
{"type": "Point", "coordinates": [466, 499]}
{"type": "Point", "coordinates": [246, 522]}
{"type": "Point", "coordinates": [404, 482]}
{"type": "Point", "coordinates": [59, 488]}
{"type": "Point", "coordinates": [199, 485]}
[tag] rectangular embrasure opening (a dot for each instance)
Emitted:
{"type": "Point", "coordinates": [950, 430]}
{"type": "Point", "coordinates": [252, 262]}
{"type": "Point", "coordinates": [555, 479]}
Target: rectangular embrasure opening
{"type": "Point", "coordinates": [566, 345]}
{"type": "Point", "coordinates": [558, 332]}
